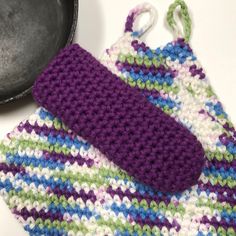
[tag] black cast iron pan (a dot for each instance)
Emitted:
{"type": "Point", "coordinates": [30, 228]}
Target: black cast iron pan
{"type": "Point", "coordinates": [31, 34]}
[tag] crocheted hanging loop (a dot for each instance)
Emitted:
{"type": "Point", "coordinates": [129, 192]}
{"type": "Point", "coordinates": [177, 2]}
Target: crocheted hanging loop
{"type": "Point", "coordinates": [135, 13]}
{"type": "Point", "coordinates": [185, 17]}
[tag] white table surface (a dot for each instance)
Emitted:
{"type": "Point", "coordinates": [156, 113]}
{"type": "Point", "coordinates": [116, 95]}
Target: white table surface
{"type": "Point", "coordinates": [101, 22]}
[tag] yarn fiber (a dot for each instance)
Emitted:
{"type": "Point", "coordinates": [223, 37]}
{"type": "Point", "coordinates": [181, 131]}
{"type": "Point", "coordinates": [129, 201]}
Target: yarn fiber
{"type": "Point", "coordinates": [118, 120]}
{"type": "Point", "coordinates": [56, 183]}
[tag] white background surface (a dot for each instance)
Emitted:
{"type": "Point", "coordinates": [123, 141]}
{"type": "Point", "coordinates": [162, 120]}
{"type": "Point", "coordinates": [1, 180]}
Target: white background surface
{"type": "Point", "coordinates": [101, 23]}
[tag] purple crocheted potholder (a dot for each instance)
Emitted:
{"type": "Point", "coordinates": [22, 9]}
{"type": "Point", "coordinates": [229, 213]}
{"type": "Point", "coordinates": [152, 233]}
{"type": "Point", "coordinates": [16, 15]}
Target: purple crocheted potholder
{"type": "Point", "coordinates": [119, 121]}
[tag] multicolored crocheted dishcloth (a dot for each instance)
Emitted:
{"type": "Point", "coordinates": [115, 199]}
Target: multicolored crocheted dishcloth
{"type": "Point", "coordinates": [56, 183]}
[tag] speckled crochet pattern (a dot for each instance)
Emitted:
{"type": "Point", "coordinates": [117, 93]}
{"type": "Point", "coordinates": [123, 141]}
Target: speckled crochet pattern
{"type": "Point", "coordinates": [117, 119]}
{"type": "Point", "coordinates": [57, 184]}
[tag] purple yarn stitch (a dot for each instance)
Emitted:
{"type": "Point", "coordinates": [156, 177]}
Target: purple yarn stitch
{"type": "Point", "coordinates": [129, 23]}
{"type": "Point", "coordinates": [138, 137]}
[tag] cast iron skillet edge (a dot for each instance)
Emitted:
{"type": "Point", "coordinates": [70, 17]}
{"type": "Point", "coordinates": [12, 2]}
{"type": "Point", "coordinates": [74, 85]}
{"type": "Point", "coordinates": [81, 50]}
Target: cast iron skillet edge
{"type": "Point", "coordinates": [69, 41]}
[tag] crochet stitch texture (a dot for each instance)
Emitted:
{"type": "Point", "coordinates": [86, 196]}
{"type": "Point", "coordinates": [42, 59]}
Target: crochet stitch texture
{"type": "Point", "coordinates": [56, 183]}
{"type": "Point", "coordinates": [117, 119]}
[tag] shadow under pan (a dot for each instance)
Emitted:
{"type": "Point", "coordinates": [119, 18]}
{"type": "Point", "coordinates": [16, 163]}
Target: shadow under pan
{"type": "Point", "coordinates": [31, 34]}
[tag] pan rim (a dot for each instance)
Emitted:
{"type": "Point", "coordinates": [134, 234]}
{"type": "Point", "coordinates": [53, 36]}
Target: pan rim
{"type": "Point", "coordinates": [69, 41]}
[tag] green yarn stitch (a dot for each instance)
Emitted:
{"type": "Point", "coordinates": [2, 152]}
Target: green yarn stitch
{"type": "Point", "coordinates": [61, 225]}
{"type": "Point", "coordinates": [219, 156]}
{"type": "Point", "coordinates": [39, 145]}
{"type": "Point", "coordinates": [123, 227]}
